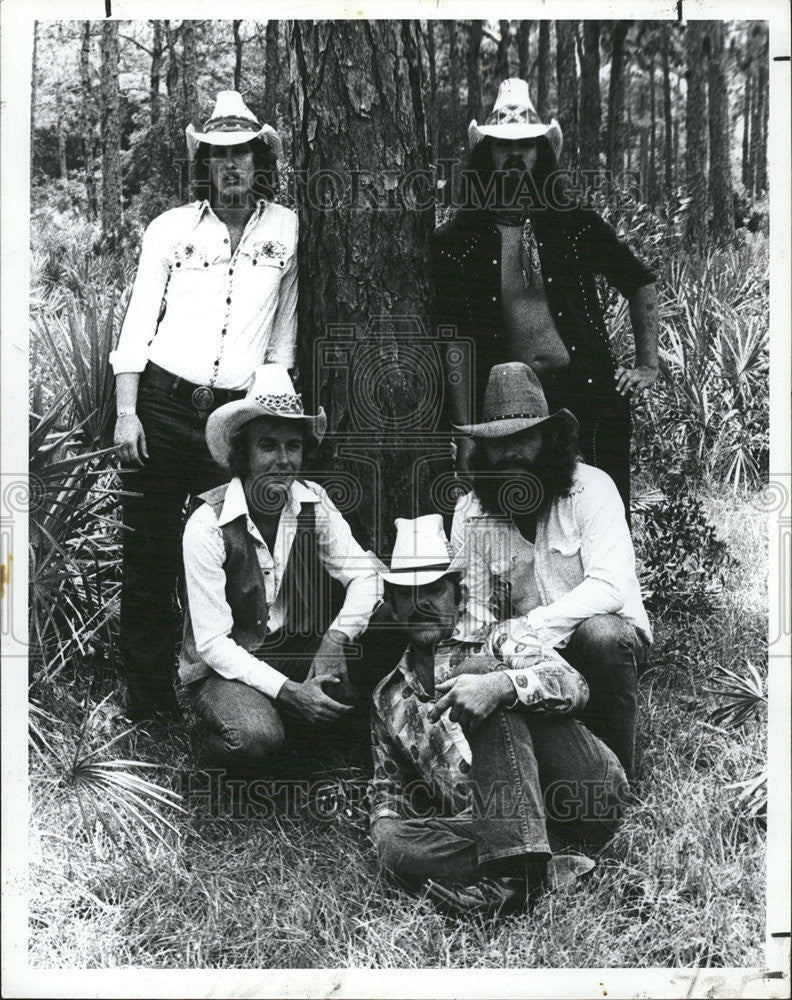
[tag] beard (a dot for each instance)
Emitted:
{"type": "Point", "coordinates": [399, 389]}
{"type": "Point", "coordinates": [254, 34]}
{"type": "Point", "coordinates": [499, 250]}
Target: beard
{"type": "Point", "coordinates": [521, 489]}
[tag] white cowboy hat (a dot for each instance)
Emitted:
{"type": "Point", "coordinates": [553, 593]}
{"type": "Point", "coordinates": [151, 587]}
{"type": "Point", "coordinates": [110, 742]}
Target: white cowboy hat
{"type": "Point", "coordinates": [271, 395]}
{"type": "Point", "coordinates": [231, 124]}
{"type": "Point", "coordinates": [420, 553]}
{"type": "Point", "coordinates": [513, 401]}
{"type": "Point", "coordinates": [513, 116]}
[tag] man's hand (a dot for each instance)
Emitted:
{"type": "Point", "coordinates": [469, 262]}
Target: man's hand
{"type": "Point", "coordinates": [311, 701]}
{"type": "Point", "coordinates": [630, 381]}
{"type": "Point", "coordinates": [130, 440]}
{"type": "Point", "coordinates": [330, 658]}
{"type": "Point", "coordinates": [472, 697]}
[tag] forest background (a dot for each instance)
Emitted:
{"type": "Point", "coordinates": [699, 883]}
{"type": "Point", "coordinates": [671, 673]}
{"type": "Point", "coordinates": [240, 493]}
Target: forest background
{"type": "Point", "coordinates": [665, 131]}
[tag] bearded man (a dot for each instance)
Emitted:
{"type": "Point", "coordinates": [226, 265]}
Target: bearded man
{"type": "Point", "coordinates": [515, 272]}
{"type": "Point", "coordinates": [550, 562]}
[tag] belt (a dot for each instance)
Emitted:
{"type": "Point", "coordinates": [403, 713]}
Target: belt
{"type": "Point", "coordinates": [203, 397]}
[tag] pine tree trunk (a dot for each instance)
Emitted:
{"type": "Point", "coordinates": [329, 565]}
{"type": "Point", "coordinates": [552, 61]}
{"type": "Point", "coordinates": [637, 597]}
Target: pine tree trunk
{"type": "Point", "coordinates": [643, 145]}
{"type": "Point", "coordinates": [364, 260]}
{"type": "Point", "coordinates": [474, 71]}
{"type": "Point", "coordinates": [566, 75]}
{"type": "Point", "coordinates": [431, 55]}
{"type": "Point", "coordinates": [543, 70]}
{"type": "Point", "coordinates": [746, 142]}
{"type": "Point", "coordinates": [189, 85]}
{"type": "Point", "coordinates": [502, 60]}
{"type": "Point", "coordinates": [271, 74]}
{"type": "Point", "coordinates": [652, 134]}
{"type": "Point", "coordinates": [720, 188]}
{"type": "Point", "coordinates": [111, 137]}
{"type": "Point", "coordinates": [590, 110]}
{"type": "Point", "coordinates": [458, 129]}
{"type": "Point", "coordinates": [237, 55]}
{"type": "Point", "coordinates": [615, 134]}
{"type": "Point", "coordinates": [155, 73]}
{"type": "Point", "coordinates": [34, 79]}
{"type": "Point", "coordinates": [524, 48]}
{"type": "Point", "coordinates": [696, 133]}
{"type": "Point", "coordinates": [759, 127]}
{"type": "Point", "coordinates": [89, 121]}
{"type": "Point", "coordinates": [668, 129]}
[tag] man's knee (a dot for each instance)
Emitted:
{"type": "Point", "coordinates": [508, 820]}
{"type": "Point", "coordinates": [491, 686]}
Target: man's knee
{"type": "Point", "coordinates": [393, 849]}
{"type": "Point", "coordinates": [604, 639]}
{"type": "Point", "coordinates": [250, 741]}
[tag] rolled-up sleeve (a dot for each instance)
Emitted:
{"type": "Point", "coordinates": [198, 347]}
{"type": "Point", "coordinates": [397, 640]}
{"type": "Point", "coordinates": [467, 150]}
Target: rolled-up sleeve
{"type": "Point", "coordinates": [347, 562]}
{"type": "Point", "coordinates": [599, 249]}
{"type": "Point", "coordinates": [210, 614]}
{"type": "Point", "coordinates": [142, 316]}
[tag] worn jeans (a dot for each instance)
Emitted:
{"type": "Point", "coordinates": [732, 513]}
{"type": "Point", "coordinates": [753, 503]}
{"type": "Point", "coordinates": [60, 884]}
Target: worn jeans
{"type": "Point", "coordinates": [179, 465]}
{"type": "Point", "coordinates": [242, 728]}
{"type": "Point", "coordinates": [539, 784]}
{"type": "Point", "coordinates": [610, 654]}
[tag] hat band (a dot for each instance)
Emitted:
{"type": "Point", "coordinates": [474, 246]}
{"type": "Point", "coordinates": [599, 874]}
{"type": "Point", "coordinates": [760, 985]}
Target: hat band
{"type": "Point", "coordinates": [231, 123]}
{"type": "Point", "coordinates": [516, 416]}
{"type": "Point", "coordinates": [420, 569]}
{"type": "Point", "coordinates": [286, 402]}
{"type": "Point", "coordinates": [516, 116]}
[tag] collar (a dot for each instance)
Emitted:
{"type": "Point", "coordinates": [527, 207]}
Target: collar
{"type": "Point", "coordinates": [235, 503]}
{"type": "Point", "coordinates": [442, 651]}
{"type": "Point", "coordinates": [202, 207]}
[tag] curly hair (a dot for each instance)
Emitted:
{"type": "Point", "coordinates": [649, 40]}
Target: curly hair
{"type": "Point", "coordinates": [554, 468]}
{"type": "Point", "coordinates": [547, 185]}
{"type": "Point", "coordinates": [265, 176]}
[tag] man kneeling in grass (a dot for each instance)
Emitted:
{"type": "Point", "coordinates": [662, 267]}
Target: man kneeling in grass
{"type": "Point", "coordinates": [481, 775]}
{"type": "Point", "coordinates": [277, 586]}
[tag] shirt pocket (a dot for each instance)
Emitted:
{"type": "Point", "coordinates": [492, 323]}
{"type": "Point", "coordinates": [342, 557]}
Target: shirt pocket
{"type": "Point", "coordinates": [189, 264]}
{"type": "Point", "coordinates": [269, 254]}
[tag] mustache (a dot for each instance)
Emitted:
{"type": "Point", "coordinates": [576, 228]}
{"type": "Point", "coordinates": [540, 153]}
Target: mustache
{"type": "Point", "coordinates": [509, 465]}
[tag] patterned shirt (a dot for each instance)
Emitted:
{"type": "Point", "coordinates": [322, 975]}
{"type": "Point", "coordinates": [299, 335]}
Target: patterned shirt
{"type": "Point", "coordinates": [421, 765]}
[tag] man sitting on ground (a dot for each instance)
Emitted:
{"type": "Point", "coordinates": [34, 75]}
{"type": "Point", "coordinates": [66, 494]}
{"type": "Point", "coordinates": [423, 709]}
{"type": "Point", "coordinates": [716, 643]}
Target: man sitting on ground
{"type": "Point", "coordinates": [480, 772]}
{"type": "Point", "coordinates": [277, 586]}
{"type": "Point", "coordinates": [549, 553]}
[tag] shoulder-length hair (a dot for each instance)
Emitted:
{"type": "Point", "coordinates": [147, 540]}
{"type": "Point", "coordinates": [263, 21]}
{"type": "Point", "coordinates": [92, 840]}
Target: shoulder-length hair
{"type": "Point", "coordinates": [265, 165]}
{"type": "Point", "coordinates": [548, 186]}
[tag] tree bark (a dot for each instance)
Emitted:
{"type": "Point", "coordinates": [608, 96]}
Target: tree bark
{"type": "Point", "coordinates": [615, 133]}
{"type": "Point", "coordinates": [720, 187]}
{"type": "Point", "coordinates": [89, 121]}
{"type": "Point", "coordinates": [271, 74]}
{"type": "Point", "coordinates": [364, 259]}
{"type": "Point", "coordinates": [189, 85]}
{"type": "Point", "coordinates": [431, 56]}
{"type": "Point", "coordinates": [156, 72]}
{"type": "Point", "coordinates": [746, 142]}
{"type": "Point", "coordinates": [590, 110]}
{"type": "Point", "coordinates": [668, 128]}
{"type": "Point", "coordinates": [524, 48]}
{"type": "Point", "coordinates": [474, 71]}
{"type": "Point", "coordinates": [760, 117]}
{"type": "Point", "coordinates": [237, 55]}
{"type": "Point", "coordinates": [696, 133]}
{"type": "Point", "coordinates": [566, 74]}
{"type": "Point", "coordinates": [459, 128]}
{"type": "Point", "coordinates": [543, 70]}
{"type": "Point", "coordinates": [502, 60]}
{"type": "Point", "coordinates": [111, 137]}
{"type": "Point", "coordinates": [34, 79]}
{"type": "Point", "coordinates": [652, 134]}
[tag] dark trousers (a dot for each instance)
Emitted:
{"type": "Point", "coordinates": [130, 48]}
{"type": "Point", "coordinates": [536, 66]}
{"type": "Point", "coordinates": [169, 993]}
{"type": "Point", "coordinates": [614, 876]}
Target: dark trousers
{"type": "Point", "coordinates": [179, 465]}
{"type": "Point", "coordinates": [242, 728]}
{"type": "Point", "coordinates": [610, 654]}
{"type": "Point", "coordinates": [540, 785]}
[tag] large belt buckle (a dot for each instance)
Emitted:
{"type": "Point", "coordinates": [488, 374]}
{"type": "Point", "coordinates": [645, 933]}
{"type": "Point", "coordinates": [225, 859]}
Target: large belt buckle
{"type": "Point", "coordinates": [203, 398]}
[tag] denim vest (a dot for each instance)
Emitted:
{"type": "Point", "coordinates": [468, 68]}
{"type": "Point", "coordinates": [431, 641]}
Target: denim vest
{"type": "Point", "coordinates": [311, 596]}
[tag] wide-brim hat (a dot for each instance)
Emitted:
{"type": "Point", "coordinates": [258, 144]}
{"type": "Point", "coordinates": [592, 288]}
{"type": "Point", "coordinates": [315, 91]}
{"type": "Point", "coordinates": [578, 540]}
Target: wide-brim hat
{"type": "Point", "coordinates": [271, 395]}
{"type": "Point", "coordinates": [421, 553]}
{"type": "Point", "coordinates": [513, 401]}
{"type": "Point", "coordinates": [513, 117]}
{"type": "Point", "coordinates": [232, 123]}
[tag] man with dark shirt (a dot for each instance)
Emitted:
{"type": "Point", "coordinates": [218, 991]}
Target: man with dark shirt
{"type": "Point", "coordinates": [515, 272]}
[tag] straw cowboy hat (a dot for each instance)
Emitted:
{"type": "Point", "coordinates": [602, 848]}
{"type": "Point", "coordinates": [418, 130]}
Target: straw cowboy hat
{"type": "Point", "coordinates": [513, 116]}
{"type": "Point", "coordinates": [271, 395]}
{"type": "Point", "coordinates": [513, 401]}
{"type": "Point", "coordinates": [420, 553]}
{"type": "Point", "coordinates": [231, 124]}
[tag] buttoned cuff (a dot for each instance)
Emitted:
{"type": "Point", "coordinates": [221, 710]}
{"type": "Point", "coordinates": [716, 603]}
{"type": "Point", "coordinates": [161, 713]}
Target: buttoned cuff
{"type": "Point", "coordinates": [272, 681]}
{"type": "Point", "coordinates": [527, 687]}
{"type": "Point", "coordinates": [127, 361]}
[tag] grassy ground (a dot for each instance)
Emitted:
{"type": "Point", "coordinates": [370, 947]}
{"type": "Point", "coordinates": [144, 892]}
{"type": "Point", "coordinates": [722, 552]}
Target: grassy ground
{"type": "Point", "coordinates": [681, 885]}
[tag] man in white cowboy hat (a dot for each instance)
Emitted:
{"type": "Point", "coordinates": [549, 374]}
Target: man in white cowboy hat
{"type": "Point", "coordinates": [549, 560]}
{"type": "Point", "coordinates": [277, 586]}
{"type": "Point", "coordinates": [516, 271]}
{"type": "Point", "coordinates": [215, 295]}
{"type": "Point", "coordinates": [479, 767]}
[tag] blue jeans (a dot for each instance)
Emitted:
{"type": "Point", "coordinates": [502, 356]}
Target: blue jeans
{"type": "Point", "coordinates": [179, 465]}
{"type": "Point", "coordinates": [539, 785]}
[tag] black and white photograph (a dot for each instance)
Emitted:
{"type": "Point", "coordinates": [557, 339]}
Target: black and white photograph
{"type": "Point", "coordinates": [395, 537]}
